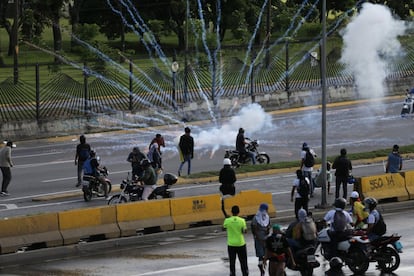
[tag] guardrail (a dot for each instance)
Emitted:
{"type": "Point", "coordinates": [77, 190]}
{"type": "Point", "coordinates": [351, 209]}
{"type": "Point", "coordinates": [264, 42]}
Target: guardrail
{"type": "Point", "coordinates": [108, 222]}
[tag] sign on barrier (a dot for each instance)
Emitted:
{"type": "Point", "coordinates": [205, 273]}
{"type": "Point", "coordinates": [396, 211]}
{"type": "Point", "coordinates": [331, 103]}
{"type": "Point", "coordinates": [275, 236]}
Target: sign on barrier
{"type": "Point", "coordinates": [249, 202]}
{"type": "Point", "coordinates": [187, 211]}
{"type": "Point", "coordinates": [136, 216]}
{"type": "Point", "coordinates": [384, 186]}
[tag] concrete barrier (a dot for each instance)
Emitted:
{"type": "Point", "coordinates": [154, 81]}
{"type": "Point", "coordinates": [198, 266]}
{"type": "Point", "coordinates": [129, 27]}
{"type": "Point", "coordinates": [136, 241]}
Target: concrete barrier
{"type": "Point", "coordinates": [188, 211]}
{"type": "Point", "coordinates": [384, 186]}
{"type": "Point", "coordinates": [29, 231]}
{"type": "Point", "coordinates": [409, 183]}
{"type": "Point", "coordinates": [138, 216]}
{"type": "Point", "coordinates": [88, 224]}
{"type": "Point", "coordinates": [249, 202]}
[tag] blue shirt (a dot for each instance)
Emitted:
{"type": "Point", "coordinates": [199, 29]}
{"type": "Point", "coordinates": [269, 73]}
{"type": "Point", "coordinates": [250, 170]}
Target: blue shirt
{"type": "Point", "coordinates": [394, 162]}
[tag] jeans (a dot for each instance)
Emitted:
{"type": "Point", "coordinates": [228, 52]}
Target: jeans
{"type": "Point", "coordinates": [187, 158]}
{"type": "Point", "coordinates": [241, 252]}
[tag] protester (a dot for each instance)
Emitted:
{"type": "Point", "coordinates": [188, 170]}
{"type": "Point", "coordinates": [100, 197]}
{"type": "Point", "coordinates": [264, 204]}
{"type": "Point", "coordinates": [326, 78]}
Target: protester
{"type": "Point", "coordinates": [260, 227]}
{"type": "Point", "coordinates": [154, 155]}
{"type": "Point", "coordinates": [302, 197]}
{"type": "Point", "coordinates": [241, 147]}
{"type": "Point", "coordinates": [343, 167]}
{"type": "Point", "coordinates": [307, 156]}
{"type": "Point", "coordinates": [376, 225]}
{"type": "Point", "coordinates": [236, 245]}
{"type": "Point", "coordinates": [149, 178]}
{"type": "Point", "coordinates": [6, 163]}
{"type": "Point", "coordinates": [186, 147]}
{"type": "Point", "coordinates": [277, 252]}
{"type": "Point", "coordinates": [394, 161]}
{"type": "Point", "coordinates": [227, 178]}
{"type": "Point", "coordinates": [135, 157]}
{"type": "Point", "coordinates": [92, 167]}
{"type": "Point", "coordinates": [357, 211]}
{"type": "Point", "coordinates": [83, 150]}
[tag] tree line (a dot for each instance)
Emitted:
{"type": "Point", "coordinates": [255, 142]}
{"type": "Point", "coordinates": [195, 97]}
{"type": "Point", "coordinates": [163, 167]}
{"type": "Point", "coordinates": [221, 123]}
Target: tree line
{"type": "Point", "coordinates": [115, 18]}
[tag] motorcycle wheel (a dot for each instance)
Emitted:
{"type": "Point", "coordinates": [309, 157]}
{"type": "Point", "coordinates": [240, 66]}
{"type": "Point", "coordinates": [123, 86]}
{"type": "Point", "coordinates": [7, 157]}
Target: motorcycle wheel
{"type": "Point", "coordinates": [109, 185]}
{"type": "Point", "coordinates": [357, 261]}
{"type": "Point", "coordinates": [87, 195]}
{"type": "Point", "coordinates": [390, 260]}
{"type": "Point", "coordinates": [263, 159]}
{"type": "Point", "coordinates": [234, 163]}
{"type": "Point", "coordinates": [117, 199]}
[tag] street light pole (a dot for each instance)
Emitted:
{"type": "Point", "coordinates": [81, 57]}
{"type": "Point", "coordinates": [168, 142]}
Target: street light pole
{"type": "Point", "coordinates": [174, 69]}
{"type": "Point", "coordinates": [323, 84]}
{"type": "Point", "coordinates": [15, 42]}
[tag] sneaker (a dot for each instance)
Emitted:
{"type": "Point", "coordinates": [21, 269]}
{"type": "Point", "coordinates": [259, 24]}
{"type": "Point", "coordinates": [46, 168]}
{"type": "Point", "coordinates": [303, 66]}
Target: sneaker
{"type": "Point", "coordinates": [5, 193]}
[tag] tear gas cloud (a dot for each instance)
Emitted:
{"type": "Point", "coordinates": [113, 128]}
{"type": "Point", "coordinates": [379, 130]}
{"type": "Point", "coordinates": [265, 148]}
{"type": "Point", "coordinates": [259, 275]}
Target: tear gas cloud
{"type": "Point", "coordinates": [370, 44]}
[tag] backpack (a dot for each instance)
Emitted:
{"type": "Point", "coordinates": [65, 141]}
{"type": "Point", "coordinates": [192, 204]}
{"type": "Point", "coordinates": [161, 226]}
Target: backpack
{"type": "Point", "coordinates": [380, 227]}
{"type": "Point", "coordinates": [308, 229]}
{"type": "Point", "coordinates": [303, 188]}
{"type": "Point", "coordinates": [309, 159]}
{"type": "Point", "coordinates": [339, 221]}
{"type": "Point", "coordinates": [83, 154]}
{"type": "Point", "coordinates": [87, 167]}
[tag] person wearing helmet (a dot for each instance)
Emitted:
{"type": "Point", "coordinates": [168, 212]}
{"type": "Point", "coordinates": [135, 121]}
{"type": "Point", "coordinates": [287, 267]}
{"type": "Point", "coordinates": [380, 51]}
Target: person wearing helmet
{"type": "Point", "coordinates": [357, 210]}
{"type": "Point", "coordinates": [241, 147]}
{"type": "Point", "coordinates": [260, 227]}
{"type": "Point", "coordinates": [340, 221]}
{"type": "Point", "coordinates": [91, 167]}
{"type": "Point", "coordinates": [227, 178]}
{"type": "Point", "coordinates": [376, 224]}
{"type": "Point", "coordinates": [343, 167]}
{"type": "Point", "coordinates": [335, 267]}
{"type": "Point", "coordinates": [394, 161]}
{"type": "Point", "coordinates": [82, 154]}
{"type": "Point", "coordinates": [149, 178]}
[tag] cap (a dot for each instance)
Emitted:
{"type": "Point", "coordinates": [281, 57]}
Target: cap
{"type": "Point", "coordinates": [264, 207]}
{"type": "Point", "coordinates": [276, 227]}
{"type": "Point", "coordinates": [355, 194]}
{"type": "Point", "coordinates": [302, 214]}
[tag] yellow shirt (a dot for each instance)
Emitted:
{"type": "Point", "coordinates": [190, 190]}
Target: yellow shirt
{"type": "Point", "coordinates": [358, 213]}
{"type": "Point", "coordinates": [235, 227]}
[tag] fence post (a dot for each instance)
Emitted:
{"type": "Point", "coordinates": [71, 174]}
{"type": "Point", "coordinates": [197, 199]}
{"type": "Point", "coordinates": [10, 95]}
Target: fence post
{"type": "Point", "coordinates": [85, 88]}
{"type": "Point", "coordinates": [37, 92]}
{"type": "Point", "coordinates": [130, 85]}
{"type": "Point", "coordinates": [287, 69]}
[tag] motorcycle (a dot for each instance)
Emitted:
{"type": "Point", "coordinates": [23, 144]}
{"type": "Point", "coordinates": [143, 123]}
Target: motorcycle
{"type": "Point", "coordinates": [236, 159]}
{"type": "Point", "coordinates": [132, 189]}
{"type": "Point", "coordinates": [305, 261]}
{"type": "Point", "coordinates": [92, 186]}
{"type": "Point", "coordinates": [408, 106]}
{"type": "Point", "coordinates": [357, 251]}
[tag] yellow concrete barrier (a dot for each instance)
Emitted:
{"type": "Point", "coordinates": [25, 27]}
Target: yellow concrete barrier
{"type": "Point", "coordinates": [37, 230]}
{"type": "Point", "coordinates": [249, 202]}
{"type": "Point", "coordinates": [193, 210]}
{"type": "Point", "coordinates": [90, 223]}
{"type": "Point", "coordinates": [409, 183]}
{"type": "Point", "coordinates": [384, 186]}
{"type": "Point", "coordinates": [137, 216]}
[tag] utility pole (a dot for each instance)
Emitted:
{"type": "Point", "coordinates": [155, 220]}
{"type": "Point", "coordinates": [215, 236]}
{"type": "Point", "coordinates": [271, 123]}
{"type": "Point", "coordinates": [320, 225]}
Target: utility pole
{"type": "Point", "coordinates": [269, 8]}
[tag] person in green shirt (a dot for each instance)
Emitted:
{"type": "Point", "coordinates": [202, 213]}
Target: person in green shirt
{"type": "Point", "coordinates": [236, 245]}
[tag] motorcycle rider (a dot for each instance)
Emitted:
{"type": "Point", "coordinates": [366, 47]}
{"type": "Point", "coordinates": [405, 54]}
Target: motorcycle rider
{"type": "Point", "coordinates": [91, 167]}
{"type": "Point", "coordinates": [357, 210]}
{"type": "Point", "coordinates": [376, 226]}
{"type": "Point", "coordinates": [302, 232]}
{"type": "Point", "coordinates": [340, 221]}
{"type": "Point", "coordinates": [135, 158]}
{"type": "Point", "coordinates": [241, 147]}
{"type": "Point", "coordinates": [148, 178]}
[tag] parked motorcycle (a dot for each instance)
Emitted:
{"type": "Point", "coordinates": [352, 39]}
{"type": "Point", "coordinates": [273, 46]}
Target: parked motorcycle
{"type": "Point", "coordinates": [305, 261]}
{"type": "Point", "coordinates": [408, 106]}
{"type": "Point", "coordinates": [237, 160]}
{"type": "Point", "coordinates": [132, 189]}
{"type": "Point", "coordinates": [92, 186]}
{"type": "Point", "coordinates": [357, 251]}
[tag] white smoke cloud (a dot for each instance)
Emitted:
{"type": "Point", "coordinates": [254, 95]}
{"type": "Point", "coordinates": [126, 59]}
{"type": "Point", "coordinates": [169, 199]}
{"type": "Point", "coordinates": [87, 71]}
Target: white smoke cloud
{"type": "Point", "coordinates": [370, 42]}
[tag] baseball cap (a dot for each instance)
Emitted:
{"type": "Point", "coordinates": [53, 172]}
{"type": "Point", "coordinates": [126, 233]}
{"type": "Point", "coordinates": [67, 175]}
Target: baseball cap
{"type": "Point", "coordinates": [264, 207]}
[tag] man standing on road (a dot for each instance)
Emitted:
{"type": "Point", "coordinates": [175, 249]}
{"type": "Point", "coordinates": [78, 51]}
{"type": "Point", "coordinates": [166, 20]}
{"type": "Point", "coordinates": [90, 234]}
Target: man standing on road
{"type": "Point", "coordinates": [236, 245]}
{"type": "Point", "coordinates": [186, 147]}
{"type": "Point", "coordinates": [307, 156]}
{"type": "Point", "coordinates": [394, 161]}
{"type": "Point", "coordinates": [343, 166]}
{"type": "Point", "coordinates": [83, 150]}
{"type": "Point", "coordinates": [301, 199]}
{"type": "Point", "coordinates": [260, 226]}
{"type": "Point", "coordinates": [5, 164]}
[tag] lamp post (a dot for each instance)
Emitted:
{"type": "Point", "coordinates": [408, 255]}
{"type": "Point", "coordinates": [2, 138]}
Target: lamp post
{"type": "Point", "coordinates": [174, 69]}
{"type": "Point", "coordinates": [15, 42]}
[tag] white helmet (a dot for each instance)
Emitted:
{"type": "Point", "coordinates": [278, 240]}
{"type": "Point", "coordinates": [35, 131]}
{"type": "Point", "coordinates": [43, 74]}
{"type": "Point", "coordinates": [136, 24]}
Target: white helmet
{"type": "Point", "coordinates": [226, 161]}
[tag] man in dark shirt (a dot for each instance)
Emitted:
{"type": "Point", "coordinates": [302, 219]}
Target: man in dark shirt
{"type": "Point", "coordinates": [227, 178]}
{"type": "Point", "coordinates": [241, 147]}
{"type": "Point", "coordinates": [186, 147]}
{"type": "Point", "coordinates": [82, 154]}
{"type": "Point", "coordinates": [343, 166]}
